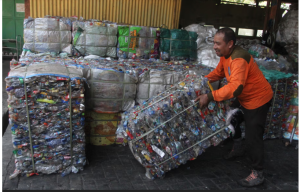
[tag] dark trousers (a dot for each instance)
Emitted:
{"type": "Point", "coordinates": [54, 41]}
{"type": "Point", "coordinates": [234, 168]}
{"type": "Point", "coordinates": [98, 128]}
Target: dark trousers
{"type": "Point", "coordinates": [255, 121]}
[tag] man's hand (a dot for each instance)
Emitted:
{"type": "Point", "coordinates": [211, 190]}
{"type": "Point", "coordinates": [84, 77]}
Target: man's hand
{"type": "Point", "coordinates": [203, 100]}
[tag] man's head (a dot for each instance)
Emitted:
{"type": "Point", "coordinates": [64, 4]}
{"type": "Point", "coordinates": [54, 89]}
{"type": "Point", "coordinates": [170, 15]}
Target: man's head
{"type": "Point", "coordinates": [224, 42]}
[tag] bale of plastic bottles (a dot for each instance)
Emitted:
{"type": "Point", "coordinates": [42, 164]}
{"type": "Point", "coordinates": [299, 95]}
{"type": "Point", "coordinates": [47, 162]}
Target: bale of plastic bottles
{"type": "Point", "coordinates": [170, 129]}
{"type": "Point", "coordinates": [138, 42]}
{"type": "Point", "coordinates": [46, 111]}
{"type": "Point", "coordinates": [48, 35]}
{"type": "Point", "coordinates": [112, 88]}
{"type": "Point", "coordinates": [93, 37]}
{"type": "Point", "coordinates": [178, 44]}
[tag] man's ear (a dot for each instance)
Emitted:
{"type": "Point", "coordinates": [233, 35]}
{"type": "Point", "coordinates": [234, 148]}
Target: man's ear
{"type": "Point", "coordinates": [230, 44]}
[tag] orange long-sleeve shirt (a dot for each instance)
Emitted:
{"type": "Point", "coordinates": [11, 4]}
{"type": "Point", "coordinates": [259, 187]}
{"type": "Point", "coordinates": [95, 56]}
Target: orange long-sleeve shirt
{"type": "Point", "coordinates": [245, 80]}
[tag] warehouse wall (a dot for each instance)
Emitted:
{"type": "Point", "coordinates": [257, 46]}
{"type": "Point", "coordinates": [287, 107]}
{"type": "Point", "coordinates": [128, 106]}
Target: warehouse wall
{"type": "Point", "coordinates": [137, 12]}
{"type": "Point", "coordinates": [213, 13]}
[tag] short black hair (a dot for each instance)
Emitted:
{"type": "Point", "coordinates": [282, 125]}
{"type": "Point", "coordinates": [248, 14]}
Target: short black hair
{"type": "Point", "coordinates": [228, 34]}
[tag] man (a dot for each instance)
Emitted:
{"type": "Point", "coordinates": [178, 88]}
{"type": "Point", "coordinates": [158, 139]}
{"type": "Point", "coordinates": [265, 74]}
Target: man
{"type": "Point", "coordinates": [253, 92]}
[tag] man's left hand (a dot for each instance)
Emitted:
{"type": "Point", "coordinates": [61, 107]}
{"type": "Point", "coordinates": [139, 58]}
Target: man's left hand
{"type": "Point", "coordinates": [203, 100]}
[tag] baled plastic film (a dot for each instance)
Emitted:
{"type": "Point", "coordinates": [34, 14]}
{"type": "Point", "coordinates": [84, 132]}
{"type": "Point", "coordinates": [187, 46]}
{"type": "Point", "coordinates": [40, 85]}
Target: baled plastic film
{"type": "Point", "coordinates": [65, 24]}
{"type": "Point", "coordinates": [112, 30]}
{"type": "Point", "coordinates": [112, 41]}
{"type": "Point", "coordinates": [81, 39]}
{"type": "Point", "coordinates": [41, 36]}
{"type": "Point", "coordinates": [100, 51]}
{"type": "Point", "coordinates": [94, 28]}
{"type": "Point", "coordinates": [105, 90]}
{"type": "Point", "coordinates": [76, 24]}
{"type": "Point", "coordinates": [28, 23]}
{"type": "Point", "coordinates": [111, 52]}
{"type": "Point", "coordinates": [179, 34]}
{"type": "Point", "coordinates": [54, 37]}
{"type": "Point", "coordinates": [65, 37]}
{"type": "Point", "coordinates": [95, 40]}
{"type": "Point", "coordinates": [47, 24]}
{"type": "Point", "coordinates": [28, 35]}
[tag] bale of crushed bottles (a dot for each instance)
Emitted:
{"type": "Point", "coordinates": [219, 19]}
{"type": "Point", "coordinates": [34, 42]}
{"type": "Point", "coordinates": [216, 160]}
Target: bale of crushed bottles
{"type": "Point", "coordinates": [290, 121]}
{"type": "Point", "coordinates": [155, 80]}
{"type": "Point", "coordinates": [112, 88]}
{"type": "Point", "coordinates": [46, 111]}
{"type": "Point", "coordinates": [170, 129]}
{"type": "Point", "coordinates": [93, 37]}
{"type": "Point", "coordinates": [48, 35]}
{"type": "Point", "coordinates": [178, 44]}
{"type": "Point", "coordinates": [285, 95]}
{"type": "Point", "coordinates": [138, 42]}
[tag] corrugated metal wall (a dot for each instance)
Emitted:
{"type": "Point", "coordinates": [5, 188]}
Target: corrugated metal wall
{"type": "Point", "coordinates": [137, 12]}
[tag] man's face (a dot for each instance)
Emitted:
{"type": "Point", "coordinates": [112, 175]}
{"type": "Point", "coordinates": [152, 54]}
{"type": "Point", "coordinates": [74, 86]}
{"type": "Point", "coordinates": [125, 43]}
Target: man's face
{"type": "Point", "coordinates": [220, 46]}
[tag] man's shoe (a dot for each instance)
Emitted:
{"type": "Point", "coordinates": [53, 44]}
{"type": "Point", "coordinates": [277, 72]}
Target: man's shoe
{"type": "Point", "coordinates": [237, 150]}
{"type": "Point", "coordinates": [254, 179]}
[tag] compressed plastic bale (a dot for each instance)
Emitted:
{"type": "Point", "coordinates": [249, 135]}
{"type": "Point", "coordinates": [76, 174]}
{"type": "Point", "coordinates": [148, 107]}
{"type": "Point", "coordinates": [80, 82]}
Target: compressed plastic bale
{"type": "Point", "coordinates": [54, 37]}
{"type": "Point", "coordinates": [180, 44]}
{"type": "Point", "coordinates": [65, 37]}
{"type": "Point", "coordinates": [101, 51]}
{"type": "Point", "coordinates": [123, 41]}
{"type": "Point", "coordinates": [48, 32]}
{"type": "Point", "coordinates": [41, 36]}
{"type": "Point", "coordinates": [112, 41]}
{"type": "Point", "coordinates": [139, 31]}
{"type": "Point", "coordinates": [153, 32]}
{"type": "Point", "coordinates": [180, 53]}
{"type": "Point", "coordinates": [111, 91]}
{"type": "Point", "coordinates": [28, 35]}
{"type": "Point", "coordinates": [107, 90]}
{"type": "Point", "coordinates": [65, 24]}
{"type": "Point", "coordinates": [150, 128]}
{"type": "Point", "coordinates": [164, 45]}
{"type": "Point", "coordinates": [67, 48]}
{"type": "Point", "coordinates": [54, 138]}
{"type": "Point", "coordinates": [193, 35]}
{"type": "Point", "coordinates": [95, 28]}
{"type": "Point", "coordinates": [108, 106]}
{"type": "Point", "coordinates": [80, 49]}
{"type": "Point", "coordinates": [165, 33]}
{"type": "Point", "coordinates": [29, 46]}
{"type": "Point", "coordinates": [179, 34]}
{"type": "Point", "coordinates": [47, 24]}
{"type": "Point", "coordinates": [95, 40]}
{"type": "Point", "coordinates": [154, 80]}
{"type": "Point", "coordinates": [76, 24]}
{"type": "Point", "coordinates": [111, 52]}
{"type": "Point", "coordinates": [28, 23]}
{"type": "Point", "coordinates": [140, 53]}
{"type": "Point", "coordinates": [112, 30]}
{"type": "Point", "coordinates": [123, 30]}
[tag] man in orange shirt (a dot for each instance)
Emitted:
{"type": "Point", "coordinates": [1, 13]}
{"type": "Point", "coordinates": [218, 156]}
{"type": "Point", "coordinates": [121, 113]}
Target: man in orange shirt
{"type": "Point", "coordinates": [254, 94]}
